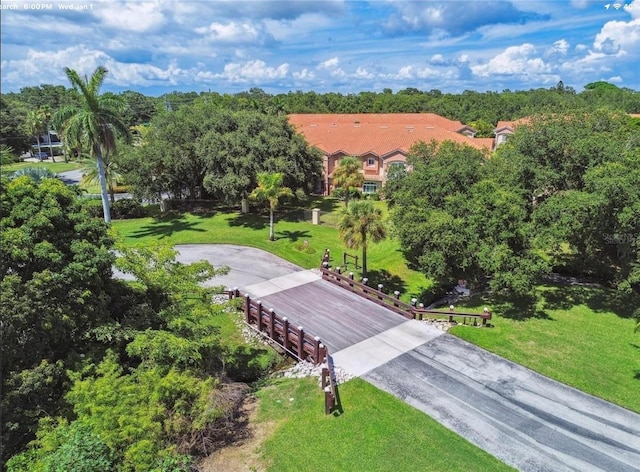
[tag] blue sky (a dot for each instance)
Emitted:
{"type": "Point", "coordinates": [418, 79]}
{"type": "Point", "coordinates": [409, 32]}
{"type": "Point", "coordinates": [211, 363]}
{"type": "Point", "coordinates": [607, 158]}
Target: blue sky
{"type": "Point", "coordinates": [228, 46]}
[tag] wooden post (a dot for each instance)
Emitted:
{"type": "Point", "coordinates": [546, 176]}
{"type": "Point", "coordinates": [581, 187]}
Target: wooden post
{"type": "Point", "coordinates": [451, 308]}
{"type": "Point", "coordinates": [272, 324]}
{"type": "Point", "coordinates": [316, 350]}
{"type": "Point", "coordinates": [285, 332]}
{"type": "Point", "coordinates": [259, 308]}
{"type": "Point", "coordinates": [247, 308]}
{"type": "Point", "coordinates": [328, 401]}
{"type": "Point", "coordinates": [300, 343]}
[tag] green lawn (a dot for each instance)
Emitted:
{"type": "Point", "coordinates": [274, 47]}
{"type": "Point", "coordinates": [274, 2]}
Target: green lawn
{"type": "Point", "coordinates": [386, 264]}
{"type": "Point", "coordinates": [52, 166]}
{"type": "Point", "coordinates": [376, 432]}
{"type": "Point", "coordinates": [581, 336]}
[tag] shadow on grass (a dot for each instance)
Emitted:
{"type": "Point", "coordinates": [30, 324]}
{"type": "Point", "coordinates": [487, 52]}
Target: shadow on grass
{"type": "Point", "coordinates": [326, 204]}
{"type": "Point", "coordinates": [249, 220]}
{"type": "Point", "coordinates": [598, 299]}
{"type": "Point", "coordinates": [519, 308]}
{"type": "Point", "coordinates": [637, 375]}
{"type": "Point", "coordinates": [390, 282]}
{"type": "Point", "coordinates": [166, 227]}
{"type": "Point", "coordinates": [292, 236]}
{"type": "Point", "coordinates": [338, 410]}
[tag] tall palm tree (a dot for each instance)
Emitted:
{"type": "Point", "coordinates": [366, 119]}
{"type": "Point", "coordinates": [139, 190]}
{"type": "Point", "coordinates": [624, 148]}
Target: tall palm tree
{"type": "Point", "coordinates": [91, 177]}
{"type": "Point", "coordinates": [94, 124]}
{"type": "Point", "coordinates": [34, 126]}
{"type": "Point", "coordinates": [45, 115]}
{"type": "Point", "coordinates": [271, 189]}
{"type": "Point", "coordinates": [360, 224]}
{"type": "Point", "coordinates": [347, 176]}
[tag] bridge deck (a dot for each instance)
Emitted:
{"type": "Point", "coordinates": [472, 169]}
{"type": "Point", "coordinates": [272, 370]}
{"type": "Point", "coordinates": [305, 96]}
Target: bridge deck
{"type": "Point", "coordinates": [340, 318]}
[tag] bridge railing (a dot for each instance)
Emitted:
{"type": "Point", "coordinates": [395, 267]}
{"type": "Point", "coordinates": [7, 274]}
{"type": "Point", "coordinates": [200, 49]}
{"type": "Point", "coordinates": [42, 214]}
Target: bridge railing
{"type": "Point", "coordinates": [347, 281]}
{"type": "Point", "coordinates": [293, 339]}
{"type": "Point", "coordinates": [393, 303]}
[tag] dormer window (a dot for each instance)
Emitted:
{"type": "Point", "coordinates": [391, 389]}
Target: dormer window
{"type": "Point", "coordinates": [371, 162]}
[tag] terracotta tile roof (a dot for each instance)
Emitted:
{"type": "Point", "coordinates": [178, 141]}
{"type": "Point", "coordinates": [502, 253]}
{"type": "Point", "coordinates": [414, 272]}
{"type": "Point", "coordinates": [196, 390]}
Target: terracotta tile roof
{"type": "Point", "coordinates": [379, 134]}
{"type": "Point", "coordinates": [512, 124]}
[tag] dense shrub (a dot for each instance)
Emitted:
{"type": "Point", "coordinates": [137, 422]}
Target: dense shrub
{"type": "Point", "coordinates": [127, 208]}
{"type": "Point", "coordinates": [120, 209]}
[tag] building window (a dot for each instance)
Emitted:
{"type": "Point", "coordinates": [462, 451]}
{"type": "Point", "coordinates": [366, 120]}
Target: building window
{"type": "Point", "coordinates": [371, 162]}
{"type": "Point", "coordinates": [370, 187]}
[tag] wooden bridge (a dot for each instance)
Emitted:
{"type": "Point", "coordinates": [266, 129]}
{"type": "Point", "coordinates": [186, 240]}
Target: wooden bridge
{"type": "Point", "coordinates": [332, 317]}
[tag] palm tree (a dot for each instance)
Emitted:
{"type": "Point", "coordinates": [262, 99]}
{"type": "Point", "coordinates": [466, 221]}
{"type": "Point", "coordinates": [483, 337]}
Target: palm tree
{"type": "Point", "coordinates": [45, 116]}
{"type": "Point", "coordinates": [91, 177]}
{"type": "Point", "coordinates": [270, 188]}
{"type": "Point", "coordinates": [95, 124]}
{"type": "Point", "coordinates": [348, 176]}
{"type": "Point", "coordinates": [360, 224]}
{"type": "Point", "coordinates": [34, 126]}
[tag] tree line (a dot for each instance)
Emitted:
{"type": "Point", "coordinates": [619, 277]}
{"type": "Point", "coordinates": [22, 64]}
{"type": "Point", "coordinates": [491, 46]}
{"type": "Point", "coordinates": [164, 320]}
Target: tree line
{"type": "Point", "coordinates": [482, 110]}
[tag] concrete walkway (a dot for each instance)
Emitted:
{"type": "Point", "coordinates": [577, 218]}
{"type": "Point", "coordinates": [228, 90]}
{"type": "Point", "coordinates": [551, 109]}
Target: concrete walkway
{"type": "Point", "coordinates": [527, 420]}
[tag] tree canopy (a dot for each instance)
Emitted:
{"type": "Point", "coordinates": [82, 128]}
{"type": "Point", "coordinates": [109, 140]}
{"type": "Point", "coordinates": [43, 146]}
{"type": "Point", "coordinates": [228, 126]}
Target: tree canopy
{"type": "Point", "coordinates": [203, 151]}
{"type": "Point", "coordinates": [135, 370]}
{"type": "Point", "coordinates": [561, 195]}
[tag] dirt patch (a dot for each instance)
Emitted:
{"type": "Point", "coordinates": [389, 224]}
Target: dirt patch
{"type": "Point", "coordinates": [243, 456]}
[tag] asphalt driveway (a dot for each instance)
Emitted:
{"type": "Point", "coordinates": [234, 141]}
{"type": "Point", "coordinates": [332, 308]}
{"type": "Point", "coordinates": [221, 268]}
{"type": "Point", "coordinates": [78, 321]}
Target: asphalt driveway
{"type": "Point", "coordinates": [527, 420]}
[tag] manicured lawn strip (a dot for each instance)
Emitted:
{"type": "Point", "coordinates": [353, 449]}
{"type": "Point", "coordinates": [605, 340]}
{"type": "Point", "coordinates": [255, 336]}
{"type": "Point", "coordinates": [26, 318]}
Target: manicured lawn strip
{"type": "Point", "coordinates": [52, 166]}
{"type": "Point", "coordinates": [376, 432]}
{"type": "Point", "coordinates": [253, 230]}
{"type": "Point", "coordinates": [581, 336]}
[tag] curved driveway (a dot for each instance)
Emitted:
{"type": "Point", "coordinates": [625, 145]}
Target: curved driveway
{"type": "Point", "coordinates": [527, 420]}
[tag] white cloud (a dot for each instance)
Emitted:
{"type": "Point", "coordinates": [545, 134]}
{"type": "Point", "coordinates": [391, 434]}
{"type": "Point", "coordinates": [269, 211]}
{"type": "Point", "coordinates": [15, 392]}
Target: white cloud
{"type": "Point", "coordinates": [559, 47]}
{"type": "Point", "coordinates": [253, 70]}
{"type": "Point", "coordinates": [84, 61]}
{"type": "Point", "coordinates": [234, 33]}
{"type": "Point", "coordinates": [296, 28]}
{"type": "Point", "coordinates": [515, 60]}
{"type": "Point", "coordinates": [329, 63]}
{"type": "Point", "coordinates": [411, 72]}
{"type": "Point", "coordinates": [304, 74]}
{"type": "Point", "coordinates": [362, 73]}
{"type": "Point", "coordinates": [618, 37]}
{"type": "Point", "coordinates": [131, 16]}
